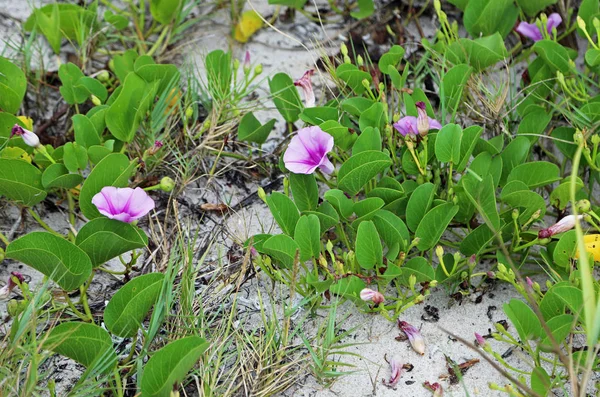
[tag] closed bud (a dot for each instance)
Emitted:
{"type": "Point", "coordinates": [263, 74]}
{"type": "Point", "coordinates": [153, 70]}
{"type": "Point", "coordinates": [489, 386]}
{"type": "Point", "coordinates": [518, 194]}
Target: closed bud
{"type": "Point", "coordinates": [515, 214]}
{"type": "Point", "coordinates": [366, 83]}
{"type": "Point", "coordinates": [29, 137]}
{"type": "Point", "coordinates": [412, 281]}
{"type": "Point", "coordinates": [583, 206]}
{"type": "Point", "coordinates": [96, 101]}
{"type": "Point", "coordinates": [433, 283]}
{"type": "Point", "coordinates": [322, 261]}
{"type": "Point", "coordinates": [258, 69]}
{"type": "Point", "coordinates": [103, 76]}
{"type": "Point", "coordinates": [329, 245]}
{"type": "Point", "coordinates": [396, 117]}
{"type": "Point", "coordinates": [13, 308]}
{"type": "Point", "coordinates": [236, 64]}
{"type": "Point", "coordinates": [501, 268]}
{"type": "Point", "coordinates": [360, 61]}
{"type": "Point", "coordinates": [2, 255]}
{"type": "Point", "coordinates": [369, 295]}
{"type": "Point", "coordinates": [344, 50]}
{"type": "Point", "coordinates": [167, 184]}
{"type": "Point", "coordinates": [580, 23]}
{"type": "Point", "coordinates": [347, 59]}
{"type": "Point", "coordinates": [439, 251]}
{"type": "Point", "coordinates": [261, 194]}
{"type": "Point", "coordinates": [189, 112]}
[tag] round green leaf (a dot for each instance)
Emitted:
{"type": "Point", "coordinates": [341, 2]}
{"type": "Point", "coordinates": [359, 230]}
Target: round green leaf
{"type": "Point", "coordinates": [360, 169]}
{"type": "Point", "coordinates": [170, 365]}
{"type": "Point", "coordinates": [307, 236]}
{"type": "Point", "coordinates": [58, 176]}
{"type": "Point", "coordinates": [251, 130]}
{"type": "Point", "coordinates": [57, 258]}
{"type": "Point", "coordinates": [88, 344]}
{"type": "Point", "coordinates": [130, 304]}
{"type": "Point", "coordinates": [21, 182]}
{"type": "Point", "coordinates": [433, 225]}
{"type": "Point", "coordinates": [284, 211]}
{"type": "Point", "coordinates": [103, 239]}
{"type": "Point", "coordinates": [418, 204]}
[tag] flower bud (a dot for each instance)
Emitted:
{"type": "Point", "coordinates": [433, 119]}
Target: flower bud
{"type": "Point", "coordinates": [2, 255]}
{"type": "Point", "coordinates": [189, 112]}
{"type": "Point", "coordinates": [247, 63]}
{"type": "Point", "coordinates": [13, 308]}
{"type": "Point", "coordinates": [396, 117]}
{"type": "Point", "coordinates": [29, 137]}
{"type": "Point", "coordinates": [344, 50]}
{"type": "Point", "coordinates": [515, 214]}
{"type": "Point", "coordinates": [347, 59]}
{"type": "Point", "coordinates": [583, 206]}
{"type": "Point", "coordinates": [236, 64]}
{"type": "Point", "coordinates": [412, 281]}
{"type": "Point", "coordinates": [565, 224]}
{"type": "Point", "coordinates": [258, 69]}
{"type": "Point", "coordinates": [490, 274]}
{"type": "Point", "coordinates": [366, 83]}
{"type": "Point", "coordinates": [501, 268]}
{"type": "Point", "coordinates": [433, 283]}
{"type": "Point", "coordinates": [580, 23]}
{"type": "Point", "coordinates": [103, 76]}
{"type": "Point", "coordinates": [167, 184]}
{"type": "Point", "coordinates": [96, 101]}
{"type": "Point", "coordinates": [439, 251]}
{"type": "Point", "coordinates": [368, 294]}
{"type": "Point", "coordinates": [360, 61]}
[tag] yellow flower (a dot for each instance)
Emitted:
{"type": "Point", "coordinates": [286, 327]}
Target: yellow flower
{"type": "Point", "coordinates": [27, 121]}
{"type": "Point", "coordinates": [249, 23]}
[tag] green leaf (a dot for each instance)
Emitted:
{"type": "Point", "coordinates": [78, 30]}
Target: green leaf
{"type": "Point", "coordinates": [170, 365]}
{"type": "Point", "coordinates": [479, 53]}
{"type": "Point", "coordinates": [453, 84]}
{"type": "Point", "coordinates": [532, 7]}
{"type": "Point", "coordinates": [470, 136]}
{"type": "Point", "coordinates": [164, 11]}
{"type": "Point", "coordinates": [588, 9]}
{"type": "Point", "coordinates": [342, 204]}
{"type": "Point", "coordinates": [477, 240]}
{"type": "Point", "coordinates": [57, 176]}
{"type": "Point", "coordinates": [565, 249]}
{"type": "Point", "coordinates": [369, 252]}
{"type": "Point", "coordinates": [592, 57]}
{"type": "Point", "coordinates": [126, 113]}
{"type": "Point", "coordinates": [448, 144]}
{"type": "Point", "coordinates": [418, 204]}
{"type": "Point", "coordinates": [282, 248]}
{"type": "Point", "coordinates": [540, 381]}
{"type": "Point", "coordinates": [366, 9]}
{"type": "Point", "coordinates": [486, 17]}
{"type": "Point", "coordinates": [328, 217]}
{"type": "Point", "coordinates": [420, 267]}
{"type": "Point", "coordinates": [514, 154]}
{"type": "Point", "coordinates": [88, 344]}
{"type": "Point", "coordinates": [348, 287]}
{"type": "Point", "coordinates": [343, 138]}
{"type": "Point", "coordinates": [13, 86]}
{"type": "Point", "coordinates": [85, 131]}
{"type": "Point", "coordinates": [307, 236]}
{"type": "Point", "coordinates": [129, 306]}
{"type": "Point", "coordinates": [113, 170]}
{"type": "Point", "coordinates": [365, 209]}
{"type": "Point", "coordinates": [57, 258]}
{"type": "Point", "coordinates": [391, 58]}
{"type": "Point", "coordinates": [561, 195]}
{"type": "Point", "coordinates": [356, 105]}
{"type": "Point", "coordinates": [535, 174]}
{"type": "Point", "coordinates": [286, 97]}
{"type": "Point", "coordinates": [433, 225]}
{"type": "Point", "coordinates": [554, 54]}
{"type": "Point", "coordinates": [251, 130]}
{"type": "Point", "coordinates": [483, 196]}
{"type": "Point", "coordinates": [103, 239]}
{"type": "Point", "coordinates": [369, 139]}
{"type": "Point", "coordinates": [360, 169]}
{"type": "Point", "coordinates": [353, 77]}
{"type": "Point", "coordinates": [49, 24]}
{"type": "Point", "coordinates": [297, 4]}
{"type": "Point", "coordinates": [524, 319]}
{"type": "Point", "coordinates": [284, 211]}
{"type": "Point", "coordinates": [534, 123]}
{"type": "Point", "coordinates": [219, 74]}
{"type": "Point", "coordinates": [391, 229]}
{"type": "Point", "coordinates": [305, 191]}
{"type": "Point", "coordinates": [319, 114]}
{"type": "Point", "coordinates": [123, 64]}
{"type": "Point", "coordinates": [561, 327]}
{"type": "Point", "coordinates": [21, 182]}
{"type": "Point", "coordinates": [375, 117]}
{"type": "Point", "coordinates": [74, 157]}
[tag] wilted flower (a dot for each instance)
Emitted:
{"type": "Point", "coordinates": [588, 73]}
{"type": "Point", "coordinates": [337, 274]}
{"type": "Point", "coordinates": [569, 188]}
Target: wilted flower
{"type": "Point", "coordinates": [414, 336]}
{"type": "Point", "coordinates": [7, 289]}
{"type": "Point", "coordinates": [155, 148]}
{"type": "Point", "coordinates": [565, 224]}
{"type": "Point", "coordinates": [408, 125]}
{"type": "Point", "coordinates": [306, 85]}
{"type": "Point", "coordinates": [123, 204]}
{"type": "Point", "coordinates": [367, 294]}
{"type": "Point", "coordinates": [308, 150]}
{"type": "Point", "coordinates": [29, 137]}
{"type": "Point", "coordinates": [436, 388]}
{"type": "Point", "coordinates": [532, 31]}
{"type": "Point", "coordinates": [396, 368]}
{"type": "Point", "coordinates": [480, 340]}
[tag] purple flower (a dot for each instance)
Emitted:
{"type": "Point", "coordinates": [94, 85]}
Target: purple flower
{"type": "Point", "coordinates": [565, 224]}
{"type": "Point", "coordinates": [367, 294]}
{"type": "Point", "coordinates": [29, 137]}
{"type": "Point", "coordinates": [531, 30]}
{"type": "Point", "coordinates": [123, 204]}
{"type": "Point", "coordinates": [408, 125]}
{"type": "Point", "coordinates": [396, 368]}
{"type": "Point", "coordinates": [247, 62]}
{"type": "Point", "coordinates": [306, 85]}
{"type": "Point", "coordinates": [308, 150]}
{"type": "Point", "coordinates": [414, 336]}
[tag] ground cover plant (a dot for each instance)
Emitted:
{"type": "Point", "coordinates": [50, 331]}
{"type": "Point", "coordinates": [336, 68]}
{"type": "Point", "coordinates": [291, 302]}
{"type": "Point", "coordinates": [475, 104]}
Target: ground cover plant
{"type": "Point", "coordinates": [466, 163]}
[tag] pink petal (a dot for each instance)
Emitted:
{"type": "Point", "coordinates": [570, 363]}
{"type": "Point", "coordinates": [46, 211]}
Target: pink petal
{"type": "Point", "coordinates": [434, 124]}
{"type": "Point", "coordinates": [529, 30]}
{"type": "Point", "coordinates": [140, 203]}
{"type": "Point", "coordinates": [406, 125]}
{"type": "Point", "coordinates": [554, 20]}
{"type": "Point", "coordinates": [308, 150]}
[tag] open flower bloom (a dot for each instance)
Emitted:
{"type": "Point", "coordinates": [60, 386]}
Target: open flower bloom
{"type": "Point", "coordinates": [565, 224]}
{"type": "Point", "coordinates": [531, 30]}
{"type": "Point", "coordinates": [408, 125]}
{"type": "Point", "coordinates": [396, 368]}
{"type": "Point", "coordinates": [367, 294]}
{"type": "Point", "coordinates": [7, 289]}
{"type": "Point", "coordinates": [414, 336]}
{"type": "Point", "coordinates": [29, 137]}
{"type": "Point", "coordinates": [306, 85]}
{"type": "Point", "coordinates": [123, 204]}
{"type": "Point", "coordinates": [308, 150]}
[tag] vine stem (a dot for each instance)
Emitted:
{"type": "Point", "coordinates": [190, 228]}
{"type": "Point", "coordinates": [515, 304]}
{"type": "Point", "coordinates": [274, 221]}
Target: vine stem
{"type": "Point", "coordinates": [42, 223]}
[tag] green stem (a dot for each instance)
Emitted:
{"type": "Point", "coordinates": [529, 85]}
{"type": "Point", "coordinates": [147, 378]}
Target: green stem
{"type": "Point", "coordinates": [74, 309]}
{"type": "Point", "coordinates": [42, 223]}
{"type": "Point", "coordinates": [4, 239]}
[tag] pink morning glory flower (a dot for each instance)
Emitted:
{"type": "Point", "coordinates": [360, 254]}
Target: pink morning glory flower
{"type": "Point", "coordinates": [123, 204]}
{"type": "Point", "coordinates": [7, 289]}
{"type": "Point", "coordinates": [565, 224]}
{"type": "Point", "coordinates": [306, 85]}
{"type": "Point", "coordinates": [409, 125]}
{"type": "Point", "coordinates": [308, 150]}
{"type": "Point", "coordinates": [367, 294]}
{"type": "Point", "coordinates": [29, 137]}
{"type": "Point", "coordinates": [531, 30]}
